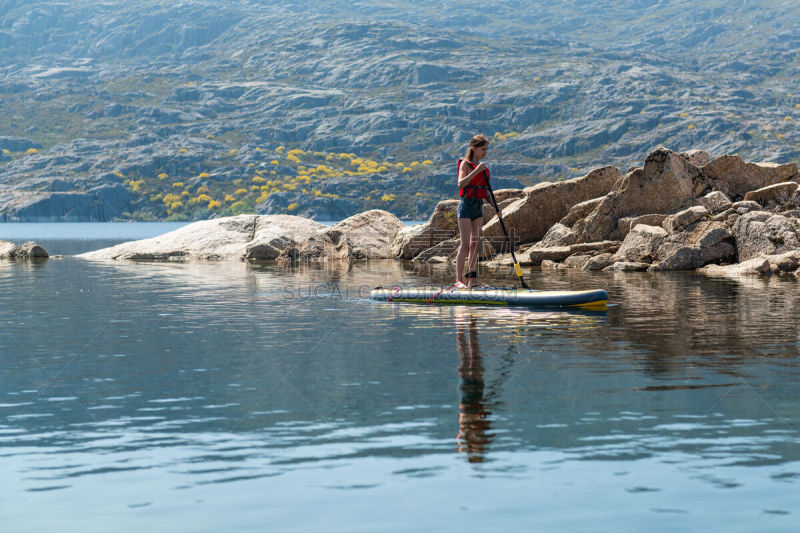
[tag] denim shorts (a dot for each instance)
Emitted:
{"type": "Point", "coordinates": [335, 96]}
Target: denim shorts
{"type": "Point", "coordinates": [470, 208]}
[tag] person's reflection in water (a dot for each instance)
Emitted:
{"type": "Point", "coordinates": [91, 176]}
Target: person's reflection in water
{"type": "Point", "coordinates": [474, 419]}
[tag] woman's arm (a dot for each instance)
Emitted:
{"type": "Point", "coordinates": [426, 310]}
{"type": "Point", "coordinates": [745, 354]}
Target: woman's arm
{"type": "Point", "coordinates": [465, 178]}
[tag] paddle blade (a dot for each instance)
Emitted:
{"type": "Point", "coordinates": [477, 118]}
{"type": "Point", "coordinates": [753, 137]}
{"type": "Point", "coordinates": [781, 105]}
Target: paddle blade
{"type": "Point", "coordinates": [518, 270]}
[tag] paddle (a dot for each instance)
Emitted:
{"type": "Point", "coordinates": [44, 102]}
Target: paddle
{"type": "Point", "coordinates": [517, 268]}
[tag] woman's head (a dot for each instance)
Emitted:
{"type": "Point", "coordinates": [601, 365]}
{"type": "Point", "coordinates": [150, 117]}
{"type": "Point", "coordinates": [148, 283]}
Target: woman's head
{"type": "Point", "coordinates": [477, 148]}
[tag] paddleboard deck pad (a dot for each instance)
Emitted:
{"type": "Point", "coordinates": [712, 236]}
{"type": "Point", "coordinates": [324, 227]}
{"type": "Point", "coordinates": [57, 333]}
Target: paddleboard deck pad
{"type": "Point", "coordinates": [593, 300]}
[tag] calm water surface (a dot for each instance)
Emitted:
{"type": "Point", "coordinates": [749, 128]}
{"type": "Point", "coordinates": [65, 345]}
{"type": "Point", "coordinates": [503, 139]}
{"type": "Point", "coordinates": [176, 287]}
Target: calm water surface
{"type": "Point", "coordinates": [235, 397]}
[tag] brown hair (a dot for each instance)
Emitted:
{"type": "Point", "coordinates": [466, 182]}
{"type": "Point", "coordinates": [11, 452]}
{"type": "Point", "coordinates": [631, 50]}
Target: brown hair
{"type": "Point", "coordinates": [475, 142]}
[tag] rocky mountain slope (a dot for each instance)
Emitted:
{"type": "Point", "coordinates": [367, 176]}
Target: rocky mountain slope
{"type": "Point", "coordinates": [202, 108]}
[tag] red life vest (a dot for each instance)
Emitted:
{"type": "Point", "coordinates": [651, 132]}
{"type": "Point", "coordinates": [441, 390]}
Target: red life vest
{"type": "Point", "coordinates": [478, 187]}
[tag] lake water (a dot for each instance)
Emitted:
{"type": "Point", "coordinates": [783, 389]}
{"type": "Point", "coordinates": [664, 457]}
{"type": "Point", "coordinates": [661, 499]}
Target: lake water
{"type": "Point", "coordinates": [234, 397]}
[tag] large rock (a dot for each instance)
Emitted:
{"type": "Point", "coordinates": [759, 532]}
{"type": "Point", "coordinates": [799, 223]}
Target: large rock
{"type": "Point", "coordinates": [275, 233]}
{"type": "Point", "coordinates": [558, 235]}
{"type": "Point", "coordinates": [745, 206]}
{"type": "Point", "coordinates": [599, 262]}
{"type": "Point", "coordinates": [441, 226]}
{"type": "Point", "coordinates": [627, 266]}
{"type": "Point", "coordinates": [626, 224]}
{"type": "Point", "coordinates": [536, 255]}
{"type": "Point", "coordinates": [780, 193]}
{"type": "Point", "coordinates": [761, 233]}
{"type": "Point", "coordinates": [24, 251]}
{"type": "Point", "coordinates": [715, 242]}
{"type": "Point", "coordinates": [594, 248]}
{"type": "Point", "coordinates": [679, 258]}
{"type": "Point", "coordinates": [544, 204]}
{"type": "Point", "coordinates": [770, 264]}
{"type": "Point", "coordinates": [735, 177]}
{"type": "Point", "coordinates": [363, 236]}
{"type": "Point", "coordinates": [682, 219]}
{"type": "Point", "coordinates": [641, 244]}
{"type": "Point", "coordinates": [222, 238]}
{"type": "Point", "coordinates": [715, 201]}
{"type": "Point", "coordinates": [752, 267]}
{"type": "Point", "coordinates": [785, 262]}
{"type": "Point", "coordinates": [698, 158]}
{"type": "Point", "coordinates": [704, 242]}
{"type": "Point", "coordinates": [663, 185]}
{"type": "Point", "coordinates": [580, 210]}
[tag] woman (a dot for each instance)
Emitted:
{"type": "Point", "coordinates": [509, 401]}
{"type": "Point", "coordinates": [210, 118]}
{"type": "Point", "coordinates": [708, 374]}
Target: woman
{"type": "Point", "coordinates": [473, 181]}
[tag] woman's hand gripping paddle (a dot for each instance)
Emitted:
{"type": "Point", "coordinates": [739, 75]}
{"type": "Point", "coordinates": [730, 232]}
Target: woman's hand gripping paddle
{"type": "Point", "coordinates": [517, 268]}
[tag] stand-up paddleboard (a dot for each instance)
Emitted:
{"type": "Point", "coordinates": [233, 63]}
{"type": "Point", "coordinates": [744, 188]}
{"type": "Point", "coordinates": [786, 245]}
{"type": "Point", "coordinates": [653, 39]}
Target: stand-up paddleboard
{"type": "Point", "coordinates": [592, 300]}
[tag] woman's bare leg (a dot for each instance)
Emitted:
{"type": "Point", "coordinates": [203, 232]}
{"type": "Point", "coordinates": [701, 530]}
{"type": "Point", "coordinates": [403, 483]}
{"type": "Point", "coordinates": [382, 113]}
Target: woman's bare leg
{"type": "Point", "coordinates": [465, 232]}
{"type": "Point", "coordinates": [474, 247]}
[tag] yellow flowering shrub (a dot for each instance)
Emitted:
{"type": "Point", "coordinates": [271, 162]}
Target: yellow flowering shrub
{"type": "Point", "coordinates": [238, 208]}
{"type": "Point", "coordinates": [202, 199]}
{"type": "Point", "coordinates": [169, 199]}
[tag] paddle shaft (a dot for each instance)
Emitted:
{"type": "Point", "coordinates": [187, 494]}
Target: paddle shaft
{"type": "Point", "coordinates": [517, 268]}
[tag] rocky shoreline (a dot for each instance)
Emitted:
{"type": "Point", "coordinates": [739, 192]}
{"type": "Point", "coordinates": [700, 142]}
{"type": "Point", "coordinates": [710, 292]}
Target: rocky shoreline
{"type": "Point", "coordinates": [678, 211]}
